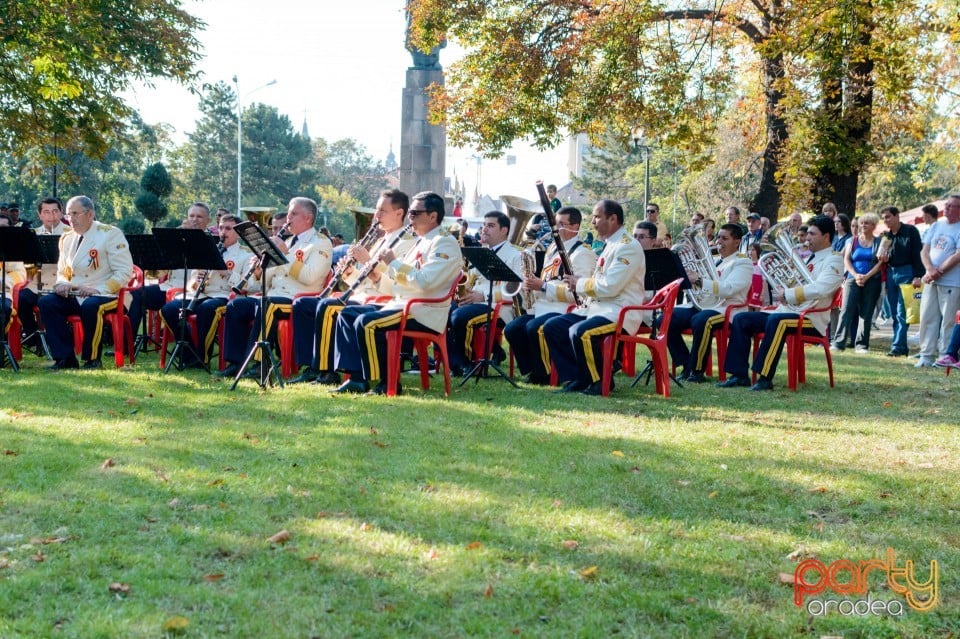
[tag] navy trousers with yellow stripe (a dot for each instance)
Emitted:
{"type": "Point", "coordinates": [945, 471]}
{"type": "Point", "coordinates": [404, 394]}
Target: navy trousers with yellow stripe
{"type": "Point", "coordinates": [54, 310]}
{"type": "Point", "coordinates": [208, 312]}
{"type": "Point", "coordinates": [314, 326]}
{"type": "Point", "coordinates": [361, 341]}
{"type": "Point", "coordinates": [702, 324]}
{"type": "Point", "coordinates": [528, 345]}
{"type": "Point", "coordinates": [774, 327]}
{"type": "Point", "coordinates": [242, 324]}
{"type": "Point", "coordinates": [575, 344]}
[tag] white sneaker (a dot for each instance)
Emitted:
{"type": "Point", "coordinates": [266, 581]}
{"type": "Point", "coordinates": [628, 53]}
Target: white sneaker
{"type": "Point", "coordinates": [923, 363]}
{"type": "Point", "coordinates": [861, 349]}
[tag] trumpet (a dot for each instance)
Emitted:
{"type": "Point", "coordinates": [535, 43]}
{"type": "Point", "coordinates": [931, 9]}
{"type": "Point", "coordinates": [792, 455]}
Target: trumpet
{"type": "Point", "coordinates": [372, 264]}
{"type": "Point", "coordinates": [371, 236]}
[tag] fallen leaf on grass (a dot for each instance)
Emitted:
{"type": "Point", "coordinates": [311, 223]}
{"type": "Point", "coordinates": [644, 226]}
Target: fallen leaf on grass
{"type": "Point", "coordinates": [130, 401]}
{"type": "Point", "coordinates": [683, 482]}
{"type": "Point", "coordinates": [312, 558]}
{"type": "Point", "coordinates": [786, 578]}
{"type": "Point", "coordinates": [373, 431]}
{"type": "Point", "coordinates": [10, 453]}
{"type": "Point", "coordinates": [4, 564]}
{"type": "Point", "coordinates": [379, 444]}
{"type": "Point", "coordinates": [589, 573]}
{"type": "Point", "coordinates": [713, 494]}
{"type": "Point", "coordinates": [119, 588]}
{"type": "Point", "coordinates": [217, 576]}
{"type": "Point", "coordinates": [39, 557]}
{"type": "Point", "coordinates": [885, 495]}
{"type": "Point", "coordinates": [488, 592]}
{"type": "Point", "coordinates": [571, 544]}
{"type": "Point", "coordinates": [800, 554]}
{"type": "Point", "coordinates": [557, 503]}
{"type": "Point", "coordinates": [162, 476]}
{"type": "Point", "coordinates": [736, 537]}
{"type": "Point", "coordinates": [617, 453]}
{"type": "Point", "coordinates": [107, 463]}
{"type": "Point", "coordinates": [216, 482]}
{"type": "Point", "coordinates": [364, 527]}
{"type": "Point", "coordinates": [432, 554]}
{"type": "Point", "coordinates": [428, 488]}
{"type": "Point", "coordinates": [925, 465]}
{"type": "Point", "coordinates": [173, 503]}
{"type": "Point", "coordinates": [176, 624]}
{"type": "Point", "coordinates": [474, 545]}
{"type": "Point", "coordinates": [42, 541]}
{"type": "Point", "coordinates": [281, 537]}
{"type": "Point", "coordinates": [818, 489]}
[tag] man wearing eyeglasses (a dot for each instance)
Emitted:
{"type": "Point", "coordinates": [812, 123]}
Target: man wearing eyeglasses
{"type": "Point", "coordinates": [428, 270]}
{"type": "Point", "coordinates": [646, 233]}
{"type": "Point", "coordinates": [95, 263]}
{"type": "Point", "coordinates": [50, 212]}
{"type": "Point", "coordinates": [652, 215]}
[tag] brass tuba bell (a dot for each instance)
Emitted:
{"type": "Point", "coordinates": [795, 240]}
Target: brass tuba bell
{"type": "Point", "coordinates": [261, 215]}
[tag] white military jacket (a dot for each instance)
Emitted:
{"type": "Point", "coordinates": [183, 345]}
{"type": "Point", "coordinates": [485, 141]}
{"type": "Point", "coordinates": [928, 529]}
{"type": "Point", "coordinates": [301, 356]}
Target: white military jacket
{"type": "Point", "coordinates": [100, 259]}
{"type": "Point", "coordinates": [617, 281]}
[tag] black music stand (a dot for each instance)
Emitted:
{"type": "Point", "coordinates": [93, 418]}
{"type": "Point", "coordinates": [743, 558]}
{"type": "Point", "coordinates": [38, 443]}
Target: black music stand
{"type": "Point", "coordinates": [17, 244]}
{"type": "Point", "coordinates": [490, 266]}
{"type": "Point", "coordinates": [146, 254]}
{"type": "Point", "coordinates": [662, 267]}
{"type": "Point", "coordinates": [267, 254]}
{"type": "Point", "coordinates": [194, 249]}
{"type": "Point", "coordinates": [50, 247]}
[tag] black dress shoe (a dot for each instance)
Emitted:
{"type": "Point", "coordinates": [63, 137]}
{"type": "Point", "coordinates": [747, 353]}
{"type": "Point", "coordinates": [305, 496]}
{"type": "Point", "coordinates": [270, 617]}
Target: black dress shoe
{"type": "Point", "coordinates": [695, 378]}
{"type": "Point", "coordinates": [537, 379]}
{"type": "Point", "coordinates": [733, 381]}
{"type": "Point", "coordinates": [896, 354]}
{"type": "Point", "coordinates": [306, 376]}
{"type": "Point", "coordinates": [573, 386]}
{"type": "Point", "coordinates": [763, 384]}
{"type": "Point", "coordinates": [92, 365]}
{"type": "Point", "coordinates": [596, 388]}
{"type": "Point", "coordinates": [381, 389]}
{"type": "Point", "coordinates": [328, 378]}
{"type": "Point", "coordinates": [352, 386]}
{"type": "Point", "coordinates": [64, 364]}
{"type": "Point", "coordinates": [230, 371]}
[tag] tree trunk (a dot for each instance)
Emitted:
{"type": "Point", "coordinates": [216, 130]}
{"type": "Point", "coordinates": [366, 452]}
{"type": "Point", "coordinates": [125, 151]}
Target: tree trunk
{"type": "Point", "coordinates": [767, 200]}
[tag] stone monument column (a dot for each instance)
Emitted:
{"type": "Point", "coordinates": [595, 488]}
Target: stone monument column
{"type": "Point", "coordinates": [423, 146]}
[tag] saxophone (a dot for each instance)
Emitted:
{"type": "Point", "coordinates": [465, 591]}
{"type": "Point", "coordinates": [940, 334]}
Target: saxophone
{"type": "Point", "coordinates": [523, 298]}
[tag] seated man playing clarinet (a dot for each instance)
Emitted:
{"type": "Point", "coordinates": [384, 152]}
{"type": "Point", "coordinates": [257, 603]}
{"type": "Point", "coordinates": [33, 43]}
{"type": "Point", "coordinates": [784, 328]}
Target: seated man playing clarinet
{"type": "Point", "coordinates": [711, 298]}
{"type": "Point", "coordinates": [826, 276]}
{"type": "Point", "coordinates": [428, 270]}
{"type": "Point", "coordinates": [575, 340]}
{"type": "Point", "coordinates": [551, 297]}
{"type": "Point", "coordinates": [314, 318]}
{"type": "Point", "coordinates": [473, 306]}
{"type": "Point", "coordinates": [308, 256]}
{"type": "Point", "coordinates": [208, 291]}
{"type": "Point", "coordinates": [95, 263]}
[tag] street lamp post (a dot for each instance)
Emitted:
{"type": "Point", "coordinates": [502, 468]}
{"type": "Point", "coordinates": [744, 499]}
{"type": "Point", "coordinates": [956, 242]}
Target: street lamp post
{"type": "Point", "coordinates": [236, 85]}
{"type": "Point", "coordinates": [640, 144]}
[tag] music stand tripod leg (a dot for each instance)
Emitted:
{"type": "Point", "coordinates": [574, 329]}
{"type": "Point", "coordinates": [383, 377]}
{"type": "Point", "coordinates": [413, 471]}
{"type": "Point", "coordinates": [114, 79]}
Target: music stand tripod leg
{"type": "Point", "coordinates": [183, 344]}
{"type": "Point", "coordinates": [481, 368]}
{"type": "Point", "coordinates": [268, 363]}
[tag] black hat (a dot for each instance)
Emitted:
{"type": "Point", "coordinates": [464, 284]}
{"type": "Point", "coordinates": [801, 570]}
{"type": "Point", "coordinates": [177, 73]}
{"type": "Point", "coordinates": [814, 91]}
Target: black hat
{"type": "Point", "coordinates": [753, 216]}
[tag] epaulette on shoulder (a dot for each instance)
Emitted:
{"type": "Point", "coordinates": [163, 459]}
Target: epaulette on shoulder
{"type": "Point", "coordinates": [444, 232]}
{"type": "Point", "coordinates": [103, 227]}
{"type": "Point", "coordinates": [626, 239]}
{"type": "Point", "coordinates": [743, 255]}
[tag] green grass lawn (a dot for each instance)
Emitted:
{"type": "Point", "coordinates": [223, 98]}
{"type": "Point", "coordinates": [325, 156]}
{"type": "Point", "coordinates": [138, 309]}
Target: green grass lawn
{"type": "Point", "coordinates": [131, 502]}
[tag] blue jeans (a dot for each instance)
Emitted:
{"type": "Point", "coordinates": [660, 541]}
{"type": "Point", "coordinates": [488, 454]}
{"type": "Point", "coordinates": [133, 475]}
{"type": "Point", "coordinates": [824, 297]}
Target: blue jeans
{"type": "Point", "coordinates": [896, 276]}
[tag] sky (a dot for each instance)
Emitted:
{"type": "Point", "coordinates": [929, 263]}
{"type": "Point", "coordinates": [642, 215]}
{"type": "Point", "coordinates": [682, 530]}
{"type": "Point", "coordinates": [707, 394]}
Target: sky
{"type": "Point", "coordinates": [339, 65]}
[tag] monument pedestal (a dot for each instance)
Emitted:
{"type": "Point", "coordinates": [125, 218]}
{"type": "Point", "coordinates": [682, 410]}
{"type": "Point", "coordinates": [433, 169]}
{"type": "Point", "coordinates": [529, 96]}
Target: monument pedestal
{"type": "Point", "coordinates": [423, 146]}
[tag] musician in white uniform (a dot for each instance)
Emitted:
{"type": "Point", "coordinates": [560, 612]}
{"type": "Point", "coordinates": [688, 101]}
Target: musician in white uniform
{"type": "Point", "coordinates": [95, 263]}
{"type": "Point", "coordinates": [551, 298]}
{"type": "Point", "coordinates": [735, 272]}
{"type": "Point", "coordinates": [50, 212]}
{"type": "Point", "coordinates": [827, 272]}
{"type": "Point", "coordinates": [212, 300]}
{"type": "Point", "coordinates": [575, 340]}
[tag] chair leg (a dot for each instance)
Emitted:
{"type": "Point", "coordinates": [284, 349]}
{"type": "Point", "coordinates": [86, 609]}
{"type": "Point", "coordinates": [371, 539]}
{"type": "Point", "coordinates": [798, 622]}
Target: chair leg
{"type": "Point", "coordinates": [660, 371]}
{"type": "Point", "coordinates": [720, 337]}
{"type": "Point", "coordinates": [393, 362]}
{"type": "Point", "coordinates": [826, 350]}
{"type": "Point", "coordinates": [441, 346]}
{"type": "Point", "coordinates": [423, 356]}
{"type": "Point", "coordinates": [608, 350]}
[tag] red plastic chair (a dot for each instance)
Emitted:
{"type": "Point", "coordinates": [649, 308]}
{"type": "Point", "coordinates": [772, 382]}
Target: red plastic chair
{"type": "Point", "coordinates": [663, 300]}
{"type": "Point", "coordinates": [119, 321]}
{"type": "Point", "coordinates": [479, 342]}
{"type": "Point", "coordinates": [14, 328]}
{"type": "Point", "coordinates": [421, 342]}
{"type": "Point", "coordinates": [796, 340]}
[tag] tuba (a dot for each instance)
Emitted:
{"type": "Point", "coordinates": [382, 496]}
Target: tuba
{"type": "Point", "coordinates": [697, 259]}
{"type": "Point", "coordinates": [782, 266]}
{"type": "Point", "coordinates": [520, 212]}
{"type": "Point", "coordinates": [261, 215]}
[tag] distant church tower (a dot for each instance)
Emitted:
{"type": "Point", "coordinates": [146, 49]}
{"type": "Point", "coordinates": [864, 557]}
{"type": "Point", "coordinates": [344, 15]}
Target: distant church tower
{"type": "Point", "coordinates": [391, 164]}
{"type": "Point", "coordinates": [304, 133]}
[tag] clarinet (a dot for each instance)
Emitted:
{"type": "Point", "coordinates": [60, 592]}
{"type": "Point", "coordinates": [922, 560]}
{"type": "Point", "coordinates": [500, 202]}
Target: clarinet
{"type": "Point", "coordinates": [202, 284]}
{"type": "Point", "coordinates": [371, 236]}
{"type": "Point", "coordinates": [372, 264]}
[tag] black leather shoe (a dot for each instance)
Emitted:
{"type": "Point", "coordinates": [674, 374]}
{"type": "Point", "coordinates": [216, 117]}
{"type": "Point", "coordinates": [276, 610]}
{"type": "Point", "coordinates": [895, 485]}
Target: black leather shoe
{"type": "Point", "coordinates": [230, 371]}
{"type": "Point", "coordinates": [537, 379]}
{"type": "Point", "coordinates": [305, 377]}
{"type": "Point", "coordinates": [573, 386]}
{"type": "Point", "coordinates": [596, 388]}
{"type": "Point", "coordinates": [352, 386]}
{"type": "Point", "coordinates": [381, 389]}
{"type": "Point", "coordinates": [733, 381]}
{"type": "Point", "coordinates": [64, 364]}
{"type": "Point", "coordinates": [896, 354]}
{"type": "Point", "coordinates": [763, 384]}
{"type": "Point", "coordinates": [328, 378]}
{"type": "Point", "coordinates": [695, 378]}
{"type": "Point", "coordinates": [92, 365]}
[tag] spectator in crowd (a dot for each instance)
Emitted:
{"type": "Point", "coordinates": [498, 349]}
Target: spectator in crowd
{"type": "Point", "coordinates": [861, 289]}
{"type": "Point", "coordinates": [930, 214]}
{"type": "Point", "coordinates": [844, 231]}
{"type": "Point", "coordinates": [900, 248]}
{"type": "Point", "coordinates": [951, 359]}
{"type": "Point", "coordinates": [710, 230]}
{"type": "Point", "coordinates": [754, 232]}
{"type": "Point", "coordinates": [652, 215]}
{"type": "Point", "coordinates": [555, 202]}
{"type": "Point", "coordinates": [941, 295]}
{"type": "Point", "coordinates": [696, 218]}
{"type": "Point", "coordinates": [732, 215]}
